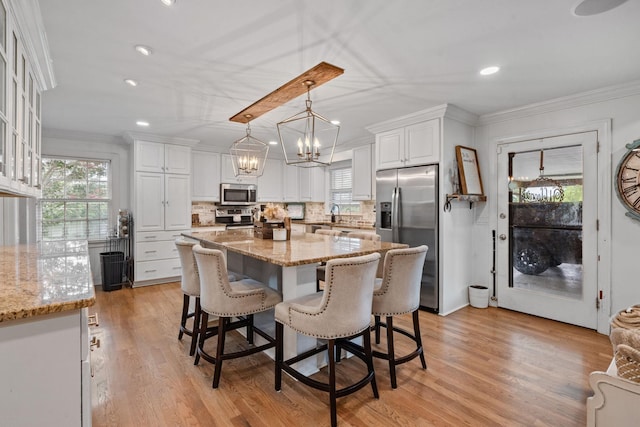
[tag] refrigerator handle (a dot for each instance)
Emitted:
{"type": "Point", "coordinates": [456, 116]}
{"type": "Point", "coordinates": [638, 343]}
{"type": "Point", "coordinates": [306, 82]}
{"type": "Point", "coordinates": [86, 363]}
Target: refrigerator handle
{"type": "Point", "coordinates": [395, 218]}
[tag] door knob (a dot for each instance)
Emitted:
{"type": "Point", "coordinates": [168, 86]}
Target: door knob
{"type": "Point", "coordinates": [503, 237]}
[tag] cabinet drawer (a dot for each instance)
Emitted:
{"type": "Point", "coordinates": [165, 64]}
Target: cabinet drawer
{"type": "Point", "coordinates": [150, 251]}
{"type": "Point", "coordinates": [150, 270]}
{"type": "Point", "coordinates": [155, 236]}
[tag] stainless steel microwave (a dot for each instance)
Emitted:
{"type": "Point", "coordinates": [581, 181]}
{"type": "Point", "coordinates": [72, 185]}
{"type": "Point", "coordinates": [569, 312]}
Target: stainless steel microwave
{"type": "Point", "coordinates": [238, 194]}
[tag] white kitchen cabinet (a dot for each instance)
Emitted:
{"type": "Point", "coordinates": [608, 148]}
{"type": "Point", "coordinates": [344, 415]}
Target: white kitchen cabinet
{"type": "Point", "coordinates": [312, 184]}
{"type": "Point", "coordinates": [227, 175]}
{"type": "Point", "coordinates": [205, 176]}
{"type": "Point", "coordinates": [163, 202]}
{"type": "Point", "coordinates": [361, 167]}
{"type": "Point", "coordinates": [42, 370]}
{"type": "Point", "coordinates": [411, 145]}
{"type": "Point", "coordinates": [270, 183]}
{"type": "Point", "coordinates": [291, 185]}
{"type": "Point", "coordinates": [162, 158]}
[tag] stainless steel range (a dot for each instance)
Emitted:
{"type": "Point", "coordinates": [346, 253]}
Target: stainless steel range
{"type": "Point", "coordinates": [234, 216]}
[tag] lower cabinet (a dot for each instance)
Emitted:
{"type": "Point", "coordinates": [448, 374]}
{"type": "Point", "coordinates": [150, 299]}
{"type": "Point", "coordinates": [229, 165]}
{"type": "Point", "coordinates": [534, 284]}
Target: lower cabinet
{"type": "Point", "coordinates": [156, 257]}
{"type": "Point", "coordinates": [45, 370]}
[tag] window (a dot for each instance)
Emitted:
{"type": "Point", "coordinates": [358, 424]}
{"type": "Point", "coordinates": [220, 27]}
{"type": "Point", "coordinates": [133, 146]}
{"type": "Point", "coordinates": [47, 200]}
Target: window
{"type": "Point", "coordinates": [76, 199]}
{"type": "Point", "coordinates": [340, 190]}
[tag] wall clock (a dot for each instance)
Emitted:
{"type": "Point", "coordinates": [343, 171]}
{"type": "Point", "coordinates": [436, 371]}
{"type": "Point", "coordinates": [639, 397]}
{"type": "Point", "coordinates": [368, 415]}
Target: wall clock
{"type": "Point", "coordinates": [628, 180]}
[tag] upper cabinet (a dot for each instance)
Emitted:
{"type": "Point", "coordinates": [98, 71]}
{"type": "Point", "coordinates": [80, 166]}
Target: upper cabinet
{"type": "Point", "coordinates": [205, 176]}
{"type": "Point", "coordinates": [270, 188]}
{"type": "Point", "coordinates": [23, 76]}
{"type": "Point", "coordinates": [411, 145]}
{"type": "Point", "coordinates": [312, 181]}
{"type": "Point", "coordinates": [164, 158]}
{"type": "Point", "coordinates": [363, 179]}
{"type": "Point", "coordinates": [291, 184]}
{"type": "Point", "coordinates": [228, 176]}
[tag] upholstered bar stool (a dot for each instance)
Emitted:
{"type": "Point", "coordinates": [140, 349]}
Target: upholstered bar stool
{"type": "Point", "coordinates": [190, 285]}
{"type": "Point", "coordinates": [227, 300]}
{"type": "Point", "coordinates": [320, 269]}
{"type": "Point", "coordinates": [341, 312]}
{"type": "Point", "coordinates": [398, 292]}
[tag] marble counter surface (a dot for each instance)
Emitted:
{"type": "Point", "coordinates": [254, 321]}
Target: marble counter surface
{"type": "Point", "coordinates": [302, 248]}
{"type": "Point", "coordinates": [343, 224]}
{"type": "Point", "coordinates": [44, 278]}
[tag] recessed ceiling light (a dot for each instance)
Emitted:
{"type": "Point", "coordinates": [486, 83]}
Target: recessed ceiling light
{"type": "Point", "coordinates": [142, 123]}
{"type": "Point", "coordinates": [335, 122]}
{"type": "Point", "coordinates": [168, 2]}
{"type": "Point", "coordinates": [144, 50]}
{"type": "Point", "coordinates": [131, 82]}
{"type": "Point", "coordinates": [273, 142]}
{"type": "Point", "coordinates": [595, 7]}
{"type": "Point", "coordinates": [489, 70]}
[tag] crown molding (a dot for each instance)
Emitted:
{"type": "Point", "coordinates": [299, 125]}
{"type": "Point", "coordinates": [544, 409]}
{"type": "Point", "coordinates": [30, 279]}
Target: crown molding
{"type": "Point", "coordinates": [28, 18]}
{"type": "Point", "coordinates": [130, 137]}
{"type": "Point", "coordinates": [49, 133]}
{"type": "Point", "coordinates": [440, 111]}
{"type": "Point", "coordinates": [585, 98]}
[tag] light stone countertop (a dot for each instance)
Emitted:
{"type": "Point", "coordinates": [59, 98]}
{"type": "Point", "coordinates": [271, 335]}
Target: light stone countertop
{"type": "Point", "coordinates": [302, 248]}
{"type": "Point", "coordinates": [362, 225]}
{"type": "Point", "coordinates": [44, 278]}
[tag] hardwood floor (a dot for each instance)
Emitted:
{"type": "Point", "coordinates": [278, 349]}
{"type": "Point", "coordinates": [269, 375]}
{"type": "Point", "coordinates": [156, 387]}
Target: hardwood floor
{"type": "Point", "coordinates": [486, 367]}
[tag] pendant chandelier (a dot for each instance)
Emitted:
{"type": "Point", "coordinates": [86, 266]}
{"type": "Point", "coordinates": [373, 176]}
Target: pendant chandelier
{"type": "Point", "coordinates": [248, 154]}
{"type": "Point", "coordinates": [307, 138]}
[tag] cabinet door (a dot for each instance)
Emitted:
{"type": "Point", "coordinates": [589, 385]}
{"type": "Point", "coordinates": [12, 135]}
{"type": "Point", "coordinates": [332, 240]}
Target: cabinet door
{"type": "Point", "coordinates": [291, 184]}
{"type": "Point", "coordinates": [227, 175]}
{"type": "Point", "coordinates": [361, 173]}
{"type": "Point", "coordinates": [390, 149]}
{"type": "Point", "coordinates": [304, 178]}
{"type": "Point", "coordinates": [422, 143]}
{"type": "Point", "coordinates": [149, 214]}
{"type": "Point", "coordinates": [149, 156]}
{"type": "Point", "coordinates": [177, 159]}
{"type": "Point", "coordinates": [317, 184]}
{"type": "Point", "coordinates": [270, 183]}
{"type": "Point", "coordinates": [205, 176]}
{"type": "Point", "coordinates": [177, 205]}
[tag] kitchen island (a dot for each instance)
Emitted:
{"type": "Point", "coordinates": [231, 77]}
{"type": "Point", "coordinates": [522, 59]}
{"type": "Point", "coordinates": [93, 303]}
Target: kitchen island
{"type": "Point", "coordinates": [45, 290]}
{"type": "Point", "coordinates": [288, 266]}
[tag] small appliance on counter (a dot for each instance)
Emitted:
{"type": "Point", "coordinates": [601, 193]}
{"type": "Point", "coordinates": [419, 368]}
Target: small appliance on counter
{"type": "Point", "coordinates": [234, 216]}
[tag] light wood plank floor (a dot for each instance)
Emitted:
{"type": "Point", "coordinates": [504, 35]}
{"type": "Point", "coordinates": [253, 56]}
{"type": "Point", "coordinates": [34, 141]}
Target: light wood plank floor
{"type": "Point", "coordinates": [486, 367]}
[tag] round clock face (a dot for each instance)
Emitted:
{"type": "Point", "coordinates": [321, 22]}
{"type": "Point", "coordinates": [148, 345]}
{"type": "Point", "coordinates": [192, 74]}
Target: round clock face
{"type": "Point", "coordinates": [628, 181]}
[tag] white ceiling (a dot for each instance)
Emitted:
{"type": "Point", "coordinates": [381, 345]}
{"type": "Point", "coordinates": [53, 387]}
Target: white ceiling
{"type": "Point", "coordinates": [213, 58]}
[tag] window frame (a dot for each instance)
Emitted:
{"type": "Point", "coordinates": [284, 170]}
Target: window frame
{"type": "Point", "coordinates": [108, 199]}
{"type": "Point", "coordinates": [352, 206]}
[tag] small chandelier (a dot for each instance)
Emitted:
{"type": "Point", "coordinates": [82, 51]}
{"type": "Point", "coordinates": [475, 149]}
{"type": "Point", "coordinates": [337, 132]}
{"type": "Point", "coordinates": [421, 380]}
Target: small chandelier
{"type": "Point", "coordinates": [307, 135]}
{"type": "Point", "coordinates": [248, 154]}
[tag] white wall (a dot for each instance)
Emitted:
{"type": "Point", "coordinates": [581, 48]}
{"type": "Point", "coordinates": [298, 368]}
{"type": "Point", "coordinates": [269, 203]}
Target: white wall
{"type": "Point", "coordinates": [621, 106]}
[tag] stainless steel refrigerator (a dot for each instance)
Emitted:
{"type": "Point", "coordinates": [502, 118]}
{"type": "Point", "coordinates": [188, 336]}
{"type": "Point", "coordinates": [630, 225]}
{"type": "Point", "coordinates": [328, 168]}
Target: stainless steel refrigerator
{"type": "Point", "coordinates": [407, 212]}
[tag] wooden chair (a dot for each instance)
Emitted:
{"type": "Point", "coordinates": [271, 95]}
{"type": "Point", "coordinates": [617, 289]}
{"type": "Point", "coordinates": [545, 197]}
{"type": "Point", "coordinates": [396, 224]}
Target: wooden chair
{"type": "Point", "coordinates": [338, 314]}
{"type": "Point", "coordinates": [398, 292]}
{"type": "Point", "coordinates": [227, 300]}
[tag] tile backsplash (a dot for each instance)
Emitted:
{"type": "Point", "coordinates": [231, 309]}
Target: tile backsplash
{"type": "Point", "coordinates": [312, 212]}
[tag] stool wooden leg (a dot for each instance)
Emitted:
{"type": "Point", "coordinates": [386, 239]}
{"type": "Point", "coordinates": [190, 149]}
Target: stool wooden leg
{"type": "Point", "coordinates": [391, 352]}
{"type": "Point", "coordinates": [279, 355]}
{"type": "Point", "coordinates": [250, 328]}
{"type": "Point", "coordinates": [332, 382]}
{"type": "Point", "coordinates": [376, 327]}
{"type": "Point", "coordinates": [223, 323]}
{"type": "Point", "coordinates": [204, 321]}
{"type": "Point", "coordinates": [185, 313]}
{"type": "Point", "coordinates": [416, 331]}
{"type": "Point", "coordinates": [367, 351]}
{"type": "Point", "coordinates": [196, 328]}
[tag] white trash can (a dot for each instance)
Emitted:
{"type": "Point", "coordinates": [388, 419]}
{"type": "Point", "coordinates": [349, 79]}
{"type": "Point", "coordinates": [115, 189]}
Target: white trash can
{"type": "Point", "coordinates": [478, 296]}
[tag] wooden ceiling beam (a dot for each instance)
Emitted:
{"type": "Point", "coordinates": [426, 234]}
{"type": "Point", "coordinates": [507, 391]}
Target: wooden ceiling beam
{"type": "Point", "coordinates": [321, 73]}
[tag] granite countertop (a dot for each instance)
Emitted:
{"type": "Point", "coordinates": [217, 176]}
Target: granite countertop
{"type": "Point", "coordinates": [301, 249]}
{"type": "Point", "coordinates": [362, 225]}
{"type": "Point", "coordinates": [44, 278]}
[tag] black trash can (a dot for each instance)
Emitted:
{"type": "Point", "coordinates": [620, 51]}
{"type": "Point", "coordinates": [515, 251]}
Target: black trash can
{"type": "Point", "coordinates": [112, 265]}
